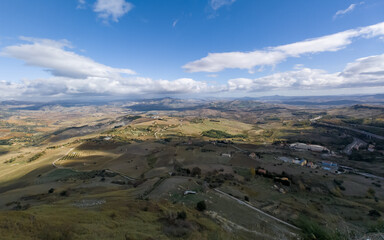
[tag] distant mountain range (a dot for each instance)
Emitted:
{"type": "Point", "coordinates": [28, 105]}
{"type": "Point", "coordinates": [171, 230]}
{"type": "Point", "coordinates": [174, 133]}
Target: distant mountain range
{"type": "Point", "coordinates": [168, 103]}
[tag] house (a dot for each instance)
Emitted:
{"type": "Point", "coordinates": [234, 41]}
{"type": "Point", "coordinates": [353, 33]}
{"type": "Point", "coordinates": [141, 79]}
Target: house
{"type": "Point", "coordinates": [189, 192]}
{"type": "Point", "coordinates": [252, 155]}
{"type": "Point", "coordinates": [311, 165]}
{"type": "Point", "coordinates": [285, 159]}
{"type": "Point", "coordinates": [308, 147]}
{"type": "Point", "coordinates": [303, 162]}
{"type": "Point", "coordinates": [371, 148]}
{"type": "Point", "coordinates": [295, 161]}
{"type": "Point", "coordinates": [226, 155]}
{"type": "Point", "coordinates": [328, 164]}
{"type": "Point", "coordinates": [284, 180]}
{"type": "Point", "coordinates": [261, 171]}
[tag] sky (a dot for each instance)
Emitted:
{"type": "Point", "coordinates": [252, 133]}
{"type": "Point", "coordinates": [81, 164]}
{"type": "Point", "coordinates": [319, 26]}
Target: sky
{"type": "Point", "coordinates": [126, 49]}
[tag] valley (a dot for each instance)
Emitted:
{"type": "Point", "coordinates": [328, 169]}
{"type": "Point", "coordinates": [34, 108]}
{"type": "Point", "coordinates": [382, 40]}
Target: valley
{"type": "Point", "coordinates": [261, 170]}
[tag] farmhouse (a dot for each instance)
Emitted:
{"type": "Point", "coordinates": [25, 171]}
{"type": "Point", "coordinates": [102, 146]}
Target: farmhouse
{"type": "Point", "coordinates": [301, 162]}
{"type": "Point", "coordinates": [311, 165]}
{"type": "Point", "coordinates": [187, 192]}
{"type": "Point", "coordinates": [328, 164]}
{"type": "Point", "coordinates": [308, 147]}
{"type": "Point", "coordinates": [261, 171]}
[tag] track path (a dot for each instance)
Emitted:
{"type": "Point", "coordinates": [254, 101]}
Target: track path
{"type": "Point", "coordinates": [257, 210]}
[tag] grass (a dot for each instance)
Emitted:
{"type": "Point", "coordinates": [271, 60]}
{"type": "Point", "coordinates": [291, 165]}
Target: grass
{"type": "Point", "coordinates": [151, 160]}
{"type": "Point", "coordinates": [312, 230]}
{"type": "Point", "coordinates": [58, 174]}
{"type": "Point", "coordinates": [119, 218]}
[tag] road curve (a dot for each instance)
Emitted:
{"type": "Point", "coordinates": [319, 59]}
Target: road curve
{"type": "Point", "coordinates": [54, 162]}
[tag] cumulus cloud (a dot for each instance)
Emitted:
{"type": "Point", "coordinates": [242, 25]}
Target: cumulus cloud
{"type": "Point", "coordinates": [347, 10]}
{"type": "Point", "coordinates": [76, 75]}
{"type": "Point", "coordinates": [55, 57]}
{"type": "Point", "coordinates": [363, 72]}
{"type": "Point", "coordinates": [112, 9]}
{"type": "Point", "coordinates": [64, 87]}
{"type": "Point", "coordinates": [271, 56]}
{"type": "Point", "coordinates": [216, 4]}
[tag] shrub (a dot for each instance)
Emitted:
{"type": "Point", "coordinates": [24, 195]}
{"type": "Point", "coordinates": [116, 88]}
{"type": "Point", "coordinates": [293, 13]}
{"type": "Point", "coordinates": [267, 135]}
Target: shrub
{"type": "Point", "coordinates": [371, 192]}
{"type": "Point", "coordinates": [36, 156]}
{"type": "Point", "coordinates": [196, 171]}
{"type": "Point", "coordinates": [312, 230]}
{"type": "Point", "coordinates": [221, 134]}
{"type": "Point", "coordinates": [182, 215]}
{"type": "Point", "coordinates": [64, 193]}
{"type": "Point", "coordinates": [374, 213]}
{"type": "Point", "coordinates": [201, 206]}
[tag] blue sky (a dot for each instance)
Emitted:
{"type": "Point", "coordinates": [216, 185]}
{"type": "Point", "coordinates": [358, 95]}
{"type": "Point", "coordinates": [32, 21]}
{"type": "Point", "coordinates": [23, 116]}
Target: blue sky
{"type": "Point", "coordinates": [67, 49]}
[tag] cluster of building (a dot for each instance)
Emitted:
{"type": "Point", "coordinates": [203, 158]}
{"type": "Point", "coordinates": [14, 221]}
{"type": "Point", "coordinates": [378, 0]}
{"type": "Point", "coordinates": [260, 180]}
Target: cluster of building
{"type": "Point", "coordinates": [326, 165]}
{"type": "Point", "coordinates": [329, 166]}
{"type": "Point", "coordinates": [301, 162]}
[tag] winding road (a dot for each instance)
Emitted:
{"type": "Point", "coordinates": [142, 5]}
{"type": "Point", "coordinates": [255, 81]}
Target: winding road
{"type": "Point", "coordinates": [54, 162]}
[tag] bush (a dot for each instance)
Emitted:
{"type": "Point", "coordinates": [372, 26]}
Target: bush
{"type": "Point", "coordinates": [371, 192]}
{"type": "Point", "coordinates": [182, 215]}
{"type": "Point", "coordinates": [201, 206]}
{"type": "Point", "coordinates": [36, 156]}
{"type": "Point", "coordinates": [374, 213]}
{"type": "Point", "coordinates": [196, 171]}
{"type": "Point", "coordinates": [221, 134]}
{"type": "Point", "coordinates": [64, 193]}
{"type": "Point", "coordinates": [312, 230]}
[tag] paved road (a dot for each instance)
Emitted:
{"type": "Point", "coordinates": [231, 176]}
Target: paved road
{"type": "Point", "coordinates": [257, 210]}
{"type": "Point", "coordinates": [372, 135]}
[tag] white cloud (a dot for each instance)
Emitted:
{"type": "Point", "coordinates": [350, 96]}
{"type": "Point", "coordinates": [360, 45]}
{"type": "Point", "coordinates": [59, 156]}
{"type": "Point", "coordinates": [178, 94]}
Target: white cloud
{"type": "Point", "coordinates": [79, 76]}
{"type": "Point", "coordinates": [10, 91]}
{"type": "Point", "coordinates": [56, 59]}
{"type": "Point", "coordinates": [347, 10]}
{"type": "Point", "coordinates": [64, 87]}
{"type": "Point", "coordinates": [76, 75]}
{"type": "Point", "coordinates": [271, 56]}
{"type": "Point", "coordinates": [112, 9]}
{"type": "Point", "coordinates": [81, 4]}
{"type": "Point", "coordinates": [363, 72]}
{"type": "Point", "coordinates": [216, 4]}
{"type": "Point", "coordinates": [175, 22]}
